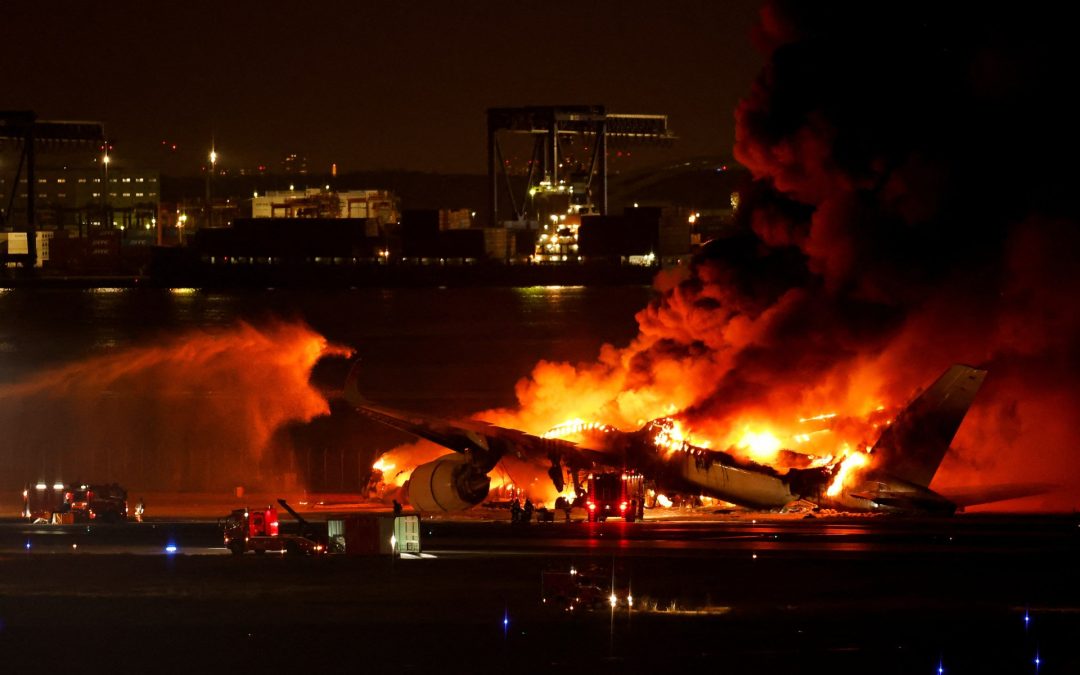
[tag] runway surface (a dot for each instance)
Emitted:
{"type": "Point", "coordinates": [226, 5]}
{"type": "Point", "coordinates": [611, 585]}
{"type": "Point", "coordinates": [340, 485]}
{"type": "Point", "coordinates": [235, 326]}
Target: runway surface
{"type": "Point", "coordinates": [727, 595]}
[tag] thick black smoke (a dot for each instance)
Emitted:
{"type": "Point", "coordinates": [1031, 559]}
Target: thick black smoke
{"type": "Point", "coordinates": [934, 152]}
{"type": "Point", "coordinates": [914, 206]}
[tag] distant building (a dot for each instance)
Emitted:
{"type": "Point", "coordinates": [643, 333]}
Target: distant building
{"type": "Point", "coordinates": [640, 236]}
{"type": "Point", "coordinates": [429, 236]}
{"type": "Point", "coordinates": [77, 199]}
{"type": "Point", "coordinates": [380, 206]}
{"type": "Point", "coordinates": [294, 165]}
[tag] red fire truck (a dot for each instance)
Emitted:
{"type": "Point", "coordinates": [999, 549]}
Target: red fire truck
{"type": "Point", "coordinates": [79, 503]}
{"type": "Point", "coordinates": [260, 531]}
{"type": "Point", "coordinates": [618, 494]}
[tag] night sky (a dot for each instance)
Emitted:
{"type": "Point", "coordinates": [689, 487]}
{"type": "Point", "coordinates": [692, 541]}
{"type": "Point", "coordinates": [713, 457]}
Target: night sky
{"type": "Point", "coordinates": [369, 85]}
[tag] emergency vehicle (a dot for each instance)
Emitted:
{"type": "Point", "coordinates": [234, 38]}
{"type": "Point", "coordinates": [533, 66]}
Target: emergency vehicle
{"type": "Point", "coordinates": [77, 503]}
{"type": "Point", "coordinates": [260, 531]}
{"type": "Point", "coordinates": [619, 494]}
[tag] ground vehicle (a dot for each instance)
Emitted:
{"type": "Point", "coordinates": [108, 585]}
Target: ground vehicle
{"type": "Point", "coordinates": [97, 502]}
{"type": "Point", "coordinates": [615, 493]}
{"type": "Point", "coordinates": [259, 531]}
{"type": "Point", "coordinates": [569, 590]}
{"type": "Point", "coordinates": [107, 503]}
{"type": "Point", "coordinates": [586, 589]}
{"type": "Point", "coordinates": [76, 503]}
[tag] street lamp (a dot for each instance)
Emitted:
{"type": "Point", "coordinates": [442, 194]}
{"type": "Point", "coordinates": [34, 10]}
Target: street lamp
{"type": "Point", "coordinates": [105, 216]}
{"type": "Point", "coordinates": [210, 172]}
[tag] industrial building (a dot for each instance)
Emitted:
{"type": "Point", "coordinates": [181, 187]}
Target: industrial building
{"type": "Point", "coordinates": [77, 199]}
{"type": "Point", "coordinates": [381, 206]}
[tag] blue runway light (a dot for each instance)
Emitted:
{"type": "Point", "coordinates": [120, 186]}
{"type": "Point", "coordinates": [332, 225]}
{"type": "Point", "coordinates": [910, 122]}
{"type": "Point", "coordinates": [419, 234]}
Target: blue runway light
{"type": "Point", "coordinates": [27, 544]}
{"type": "Point", "coordinates": [170, 548]}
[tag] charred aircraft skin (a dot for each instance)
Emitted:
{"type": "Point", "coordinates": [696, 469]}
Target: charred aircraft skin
{"type": "Point", "coordinates": [695, 470]}
{"type": "Point", "coordinates": [906, 458]}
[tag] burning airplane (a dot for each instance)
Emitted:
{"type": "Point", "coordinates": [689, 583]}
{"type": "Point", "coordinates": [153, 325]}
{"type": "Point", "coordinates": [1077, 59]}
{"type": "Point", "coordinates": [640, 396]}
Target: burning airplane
{"type": "Point", "coordinates": [892, 476]}
{"type": "Point", "coordinates": [881, 238]}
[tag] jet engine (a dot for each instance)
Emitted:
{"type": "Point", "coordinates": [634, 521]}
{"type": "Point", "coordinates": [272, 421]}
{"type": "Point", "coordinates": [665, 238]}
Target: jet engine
{"type": "Point", "coordinates": [450, 483]}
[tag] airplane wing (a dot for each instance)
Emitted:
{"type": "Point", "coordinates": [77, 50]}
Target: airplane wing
{"type": "Point", "coordinates": [483, 444]}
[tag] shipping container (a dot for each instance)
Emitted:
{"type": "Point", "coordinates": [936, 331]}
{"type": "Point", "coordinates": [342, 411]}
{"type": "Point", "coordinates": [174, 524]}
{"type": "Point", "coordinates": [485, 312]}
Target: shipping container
{"type": "Point", "coordinates": [496, 243]}
{"type": "Point", "coordinates": [375, 534]}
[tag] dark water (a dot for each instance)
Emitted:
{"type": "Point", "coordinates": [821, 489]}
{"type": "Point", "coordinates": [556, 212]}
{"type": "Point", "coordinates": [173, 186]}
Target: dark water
{"type": "Point", "coordinates": [442, 351]}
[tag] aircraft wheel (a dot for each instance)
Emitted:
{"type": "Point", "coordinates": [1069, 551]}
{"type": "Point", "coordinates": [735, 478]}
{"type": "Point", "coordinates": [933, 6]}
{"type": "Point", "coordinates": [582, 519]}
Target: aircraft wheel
{"type": "Point", "coordinates": [236, 547]}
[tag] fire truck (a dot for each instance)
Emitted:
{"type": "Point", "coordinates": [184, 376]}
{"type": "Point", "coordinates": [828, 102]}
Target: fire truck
{"type": "Point", "coordinates": [618, 494]}
{"type": "Point", "coordinates": [260, 531]}
{"type": "Point", "coordinates": [76, 503]}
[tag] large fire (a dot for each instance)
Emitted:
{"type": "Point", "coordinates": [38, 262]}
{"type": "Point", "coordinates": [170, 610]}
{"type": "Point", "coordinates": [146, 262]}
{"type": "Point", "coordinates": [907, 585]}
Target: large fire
{"type": "Point", "coordinates": [760, 443]}
{"type": "Point", "coordinates": [880, 240]}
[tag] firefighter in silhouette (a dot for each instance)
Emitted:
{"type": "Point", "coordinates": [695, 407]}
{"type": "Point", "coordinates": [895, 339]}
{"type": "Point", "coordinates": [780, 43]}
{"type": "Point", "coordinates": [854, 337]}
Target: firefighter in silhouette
{"type": "Point", "coordinates": [527, 513]}
{"type": "Point", "coordinates": [515, 511]}
{"type": "Point", "coordinates": [397, 508]}
{"type": "Point", "coordinates": [566, 506]}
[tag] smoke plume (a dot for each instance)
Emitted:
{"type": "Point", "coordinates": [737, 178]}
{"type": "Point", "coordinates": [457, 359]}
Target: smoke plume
{"type": "Point", "coordinates": [914, 206]}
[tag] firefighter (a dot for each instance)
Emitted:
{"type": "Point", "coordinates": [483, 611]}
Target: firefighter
{"type": "Point", "coordinates": [515, 511]}
{"type": "Point", "coordinates": [140, 509]}
{"type": "Point", "coordinates": [397, 508]}
{"type": "Point", "coordinates": [527, 513]}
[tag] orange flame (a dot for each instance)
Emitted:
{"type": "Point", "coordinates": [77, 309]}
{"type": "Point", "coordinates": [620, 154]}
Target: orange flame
{"type": "Point", "coordinates": [850, 464]}
{"type": "Point", "coordinates": [762, 446]}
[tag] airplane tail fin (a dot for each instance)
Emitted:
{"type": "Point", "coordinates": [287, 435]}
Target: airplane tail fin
{"type": "Point", "coordinates": [912, 447]}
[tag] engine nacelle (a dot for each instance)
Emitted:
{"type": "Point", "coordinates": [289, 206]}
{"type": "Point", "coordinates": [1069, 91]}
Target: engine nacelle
{"type": "Point", "coordinates": [449, 483]}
